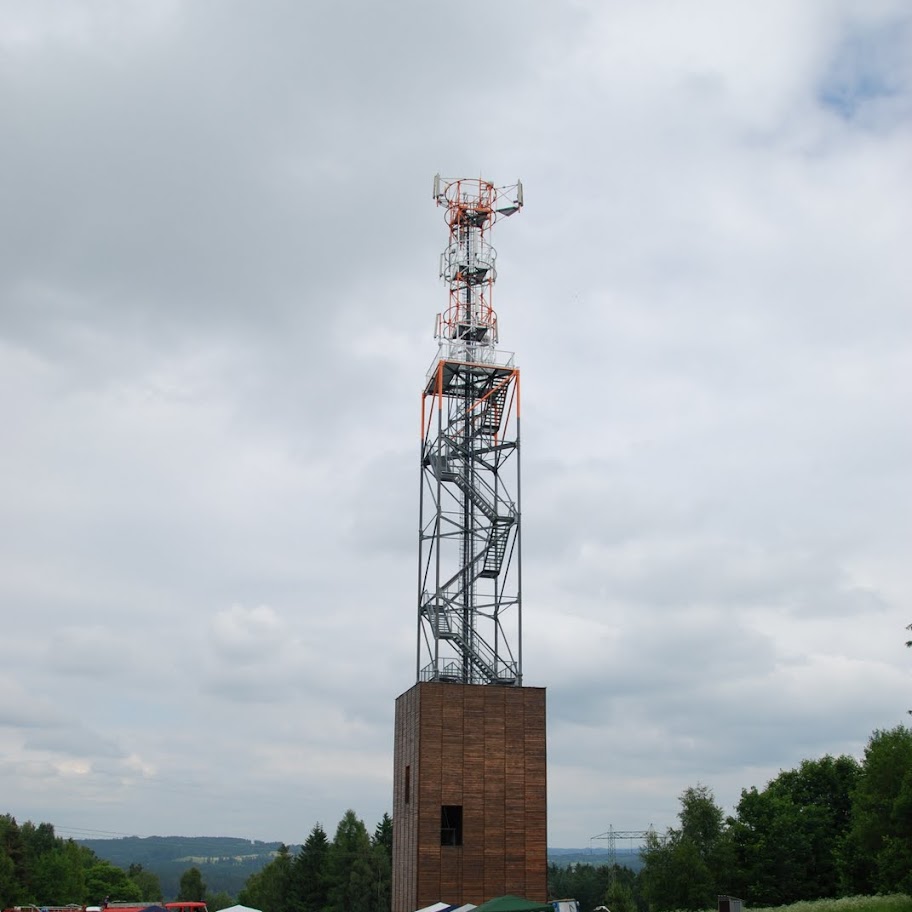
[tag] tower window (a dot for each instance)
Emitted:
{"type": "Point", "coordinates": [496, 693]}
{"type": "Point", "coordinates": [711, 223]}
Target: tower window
{"type": "Point", "coordinates": [451, 825]}
{"type": "Point", "coordinates": [408, 784]}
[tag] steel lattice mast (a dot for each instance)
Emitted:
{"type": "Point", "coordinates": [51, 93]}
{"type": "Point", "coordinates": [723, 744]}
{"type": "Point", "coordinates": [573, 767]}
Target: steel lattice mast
{"type": "Point", "coordinates": [470, 580]}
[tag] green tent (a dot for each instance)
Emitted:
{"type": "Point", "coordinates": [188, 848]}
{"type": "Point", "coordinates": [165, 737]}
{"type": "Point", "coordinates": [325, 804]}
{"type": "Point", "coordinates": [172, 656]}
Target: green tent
{"type": "Point", "coordinates": [514, 904]}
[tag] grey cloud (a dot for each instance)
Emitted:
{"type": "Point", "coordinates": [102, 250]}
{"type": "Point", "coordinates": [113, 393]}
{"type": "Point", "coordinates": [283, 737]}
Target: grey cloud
{"type": "Point", "coordinates": [20, 710]}
{"type": "Point", "coordinates": [219, 284]}
{"type": "Point", "coordinates": [73, 741]}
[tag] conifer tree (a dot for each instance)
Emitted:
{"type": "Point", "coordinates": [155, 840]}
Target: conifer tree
{"type": "Point", "coordinates": [309, 872]}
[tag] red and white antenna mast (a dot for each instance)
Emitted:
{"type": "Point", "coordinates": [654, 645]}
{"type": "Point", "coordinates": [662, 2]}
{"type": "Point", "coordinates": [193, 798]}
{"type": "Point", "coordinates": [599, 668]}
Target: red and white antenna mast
{"type": "Point", "coordinates": [468, 265]}
{"type": "Point", "coordinates": [469, 586]}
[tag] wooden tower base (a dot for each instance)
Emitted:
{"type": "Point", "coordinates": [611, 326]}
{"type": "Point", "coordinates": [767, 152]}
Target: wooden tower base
{"type": "Point", "coordinates": [469, 795]}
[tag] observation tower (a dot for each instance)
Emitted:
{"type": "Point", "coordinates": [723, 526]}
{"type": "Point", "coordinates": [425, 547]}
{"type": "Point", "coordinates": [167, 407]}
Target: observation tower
{"type": "Point", "coordinates": [469, 795]}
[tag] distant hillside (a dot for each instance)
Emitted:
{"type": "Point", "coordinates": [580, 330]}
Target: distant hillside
{"type": "Point", "coordinates": [226, 862]}
{"type": "Point", "coordinates": [626, 857]}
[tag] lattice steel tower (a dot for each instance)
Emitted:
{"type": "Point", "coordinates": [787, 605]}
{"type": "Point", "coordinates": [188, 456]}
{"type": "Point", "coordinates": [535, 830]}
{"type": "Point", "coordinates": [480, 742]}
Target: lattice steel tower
{"type": "Point", "coordinates": [470, 585]}
{"type": "Point", "coordinates": [470, 746]}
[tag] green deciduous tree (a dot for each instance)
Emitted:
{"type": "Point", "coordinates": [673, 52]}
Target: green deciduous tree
{"type": "Point", "coordinates": [9, 886]}
{"type": "Point", "coordinates": [192, 888]}
{"type": "Point", "coordinates": [57, 877]}
{"type": "Point", "coordinates": [250, 894]}
{"type": "Point", "coordinates": [787, 837]}
{"type": "Point", "coordinates": [592, 885]}
{"type": "Point", "coordinates": [148, 883]}
{"type": "Point", "coordinates": [219, 900]}
{"type": "Point", "coordinates": [11, 845]}
{"type": "Point", "coordinates": [103, 880]}
{"type": "Point", "coordinates": [270, 889]}
{"type": "Point", "coordinates": [9, 881]}
{"type": "Point", "coordinates": [877, 851]}
{"type": "Point", "coordinates": [37, 840]}
{"type": "Point", "coordinates": [38, 867]}
{"type": "Point", "coordinates": [585, 883]}
{"type": "Point", "coordinates": [692, 864]}
{"type": "Point", "coordinates": [79, 860]}
{"type": "Point", "coordinates": [619, 897]}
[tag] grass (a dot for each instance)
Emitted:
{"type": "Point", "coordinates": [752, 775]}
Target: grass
{"type": "Point", "coordinates": [897, 902]}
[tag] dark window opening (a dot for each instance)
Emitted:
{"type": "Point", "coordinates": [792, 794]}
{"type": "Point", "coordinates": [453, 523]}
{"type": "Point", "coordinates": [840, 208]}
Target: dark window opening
{"type": "Point", "coordinates": [408, 784]}
{"type": "Point", "coordinates": [451, 825]}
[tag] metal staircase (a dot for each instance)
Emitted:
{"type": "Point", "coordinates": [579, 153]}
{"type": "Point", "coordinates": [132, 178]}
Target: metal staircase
{"type": "Point", "coordinates": [460, 467]}
{"type": "Point", "coordinates": [492, 416]}
{"type": "Point", "coordinates": [496, 549]}
{"type": "Point", "coordinates": [449, 625]}
{"type": "Point", "coordinates": [500, 513]}
{"type": "Point", "coordinates": [469, 568]}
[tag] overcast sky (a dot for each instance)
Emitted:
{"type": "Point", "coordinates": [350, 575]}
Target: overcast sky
{"type": "Point", "coordinates": [218, 286]}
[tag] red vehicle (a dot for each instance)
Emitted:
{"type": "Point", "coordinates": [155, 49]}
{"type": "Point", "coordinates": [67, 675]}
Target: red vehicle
{"type": "Point", "coordinates": [176, 906]}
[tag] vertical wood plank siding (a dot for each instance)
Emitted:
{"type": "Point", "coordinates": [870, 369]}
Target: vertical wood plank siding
{"type": "Point", "coordinates": [482, 748]}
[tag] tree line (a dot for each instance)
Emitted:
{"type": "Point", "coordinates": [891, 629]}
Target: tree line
{"type": "Point", "coordinates": [831, 827]}
{"type": "Point", "coordinates": [351, 873]}
{"type": "Point", "coordinates": [37, 866]}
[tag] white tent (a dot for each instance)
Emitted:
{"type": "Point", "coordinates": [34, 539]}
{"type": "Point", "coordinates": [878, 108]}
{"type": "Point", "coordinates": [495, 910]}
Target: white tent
{"type": "Point", "coordinates": [238, 909]}
{"type": "Point", "coordinates": [447, 907]}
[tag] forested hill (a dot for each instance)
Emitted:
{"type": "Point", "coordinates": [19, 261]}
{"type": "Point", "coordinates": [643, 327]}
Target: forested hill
{"type": "Point", "coordinates": [626, 857]}
{"type": "Point", "coordinates": [224, 861]}
{"type": "Point", "coordinates": [149, 849]}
